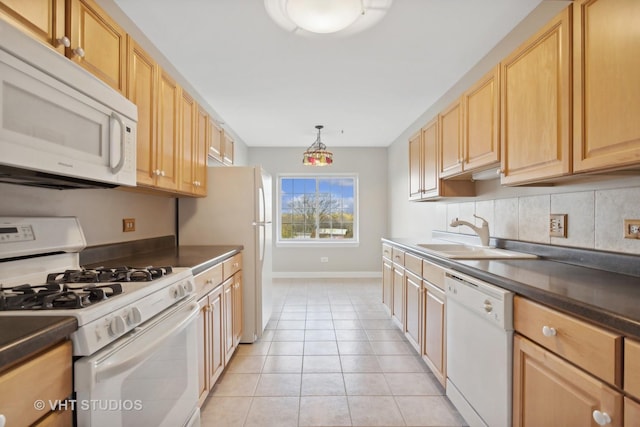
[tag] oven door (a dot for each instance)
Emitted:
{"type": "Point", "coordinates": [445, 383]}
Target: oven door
{"type": "Point", "coordinates": [147, 378]}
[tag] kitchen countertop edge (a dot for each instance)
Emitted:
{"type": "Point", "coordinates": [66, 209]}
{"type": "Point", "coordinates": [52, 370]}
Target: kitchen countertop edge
{"type": "Point", "coordinates": [23, 336]}
{"type": "Point", "coordinates": [612, 320]}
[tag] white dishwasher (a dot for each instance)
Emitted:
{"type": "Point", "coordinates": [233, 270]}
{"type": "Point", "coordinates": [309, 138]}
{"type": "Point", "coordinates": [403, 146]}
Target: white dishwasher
{"type": "Point", "coordinates": [479, 350]}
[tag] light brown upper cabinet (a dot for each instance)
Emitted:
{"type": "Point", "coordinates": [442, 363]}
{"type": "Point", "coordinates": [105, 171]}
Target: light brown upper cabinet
{"type": "Point", "coordinates": [535, 114]}
{"type": "Point", "coordinates": [187, 120]}
{"type": "Point", "coordinates": [80, 29]}
{"type": "Point", "coordinates": [606, 90]}
{"type": "Point", "coordinates": [167, 155]}
{"type": "Point", "coordinates": [450, 140]}
{"type": "Point", "coordinates": [481, 123]}
{"type": "Point", "coordinates": [98, 44]}
{"type": "Point", "coordinates": [215, 145]}
{"type": "Point", "coordinates": [227, 149]}
{"type": "Point", "coordinates": [43, 19]}
{"type": "Point", "coordinates": [424, 179]}
{"type": "Point", "coordinates": [203, 141]}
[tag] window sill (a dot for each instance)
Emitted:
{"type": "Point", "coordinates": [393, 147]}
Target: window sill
{"type": "Point", "coordinates": [328, 244]}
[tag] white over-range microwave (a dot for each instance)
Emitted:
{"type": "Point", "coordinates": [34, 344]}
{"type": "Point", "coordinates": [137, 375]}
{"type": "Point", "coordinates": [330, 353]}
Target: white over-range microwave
{"type": "Point", "coordinates": [60, 127]}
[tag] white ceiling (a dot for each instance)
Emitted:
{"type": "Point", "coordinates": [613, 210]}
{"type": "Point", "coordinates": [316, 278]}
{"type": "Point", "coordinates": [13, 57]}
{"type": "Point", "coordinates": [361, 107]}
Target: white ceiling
{"type": "Point", "coordinates": [272, 87]}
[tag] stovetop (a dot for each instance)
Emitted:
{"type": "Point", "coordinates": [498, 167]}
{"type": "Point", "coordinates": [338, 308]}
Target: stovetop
{"type": "Point", "coordinates": [76, 288]}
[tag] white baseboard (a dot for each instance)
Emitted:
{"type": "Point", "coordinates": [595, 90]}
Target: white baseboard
{"type": "Point", "coordinates": [326, 274]}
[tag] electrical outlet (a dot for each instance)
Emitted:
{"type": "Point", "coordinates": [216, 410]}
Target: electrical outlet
{"type": "Point", "coordinates": [558, 225]}
{"type": "Point", "coordinates": [324, 259]}
{"type": "Point", "coordinates": [632, 228]}
{"type": "Point", "coordinates": [128, 224]}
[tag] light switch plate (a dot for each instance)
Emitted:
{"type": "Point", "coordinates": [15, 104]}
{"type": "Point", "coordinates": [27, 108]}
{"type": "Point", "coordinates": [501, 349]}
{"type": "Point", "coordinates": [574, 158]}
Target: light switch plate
{"type": "Point", "coordinates": [558, 225]}
{"type": "Point", "coordinates": [128, 224]}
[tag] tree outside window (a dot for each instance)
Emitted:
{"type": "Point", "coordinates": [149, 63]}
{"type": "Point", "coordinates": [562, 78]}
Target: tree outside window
{"type": "Point", "coordinates": [317, 208]}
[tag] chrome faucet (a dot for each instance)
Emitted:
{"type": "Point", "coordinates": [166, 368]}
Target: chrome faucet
{"type": "Point", "coordinates": [482, 232]}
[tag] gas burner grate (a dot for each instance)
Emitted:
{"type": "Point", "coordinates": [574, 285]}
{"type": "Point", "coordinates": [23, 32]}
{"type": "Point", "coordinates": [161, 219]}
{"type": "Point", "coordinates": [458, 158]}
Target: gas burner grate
{"type": "Point", "coordinates": [55, 296]}
{"type": "Point", "coordinates": [109, 274]}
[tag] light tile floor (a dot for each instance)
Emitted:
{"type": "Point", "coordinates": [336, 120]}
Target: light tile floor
{"type": "Point", "coordinates": [330, 356]}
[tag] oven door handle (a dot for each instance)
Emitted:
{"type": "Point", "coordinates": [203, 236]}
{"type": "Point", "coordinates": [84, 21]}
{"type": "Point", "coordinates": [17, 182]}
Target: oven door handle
{"type": "Point", "coordinates": [132, 355]}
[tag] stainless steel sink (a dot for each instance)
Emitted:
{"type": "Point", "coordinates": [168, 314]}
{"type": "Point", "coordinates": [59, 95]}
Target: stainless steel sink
{"type": "Point", "coordinates": [461, 251]}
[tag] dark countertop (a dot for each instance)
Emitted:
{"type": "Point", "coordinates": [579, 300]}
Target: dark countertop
{"type": "Point", "coordinates": [198, 258]}
{"type": "Point", "coordinates": [21, 336]}
{"type": "Point", "coordinates": [610, 299]}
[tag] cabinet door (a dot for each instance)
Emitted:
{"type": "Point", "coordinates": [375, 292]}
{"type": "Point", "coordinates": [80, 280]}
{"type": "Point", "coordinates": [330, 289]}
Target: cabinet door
{"type": "Point", "coordinates": [535, 93]}
{"type": "Point", "coordinates": [216, 335]}
{"type": "Point", "coordinates": [413, 303]}
{"type": "Point", "coordinates": [631, 413]}
{"type": "Point", "coordinates": [215, 146]}
{"type": "Point", "coordinates": [187, 120]}
{"type": "Point", "coordinates": [434, 330]}
{"type": "Point", "coordinates": [202, 146]}
{"type": "Point", "coordinates": [450, 145]}
{"type": "Point", "coordinates": [228, 319]}
{"type": "Point", "coordinates": [237, 308]}
{"type": "Point", "coordinates": [430, 178]}
{"type": "Point", "coordinates": [227, 149]}
{"type": "Point", "coordinates": [415, 166]}
{"type": "Point", "coordinates": [203, 349]}
{"type": "Point", "coordinates": [167, 134]}
{"type": "Point", "coordinates": [387, 284]}
{"type": "Point", "coordinates": [606, 93]}
{"type": "Point", "coordinates": [398, 297]}
{"type": "Point", "coordinates": [42, 19]}
{"type": "Point", "coordinates": [481, 122]}
{"type": "Point", "coordinates": [547, 391]}
{"type": "Point", "coordinates": [98, 44]}
{"type": "Point", "coordinates": [142, 81]}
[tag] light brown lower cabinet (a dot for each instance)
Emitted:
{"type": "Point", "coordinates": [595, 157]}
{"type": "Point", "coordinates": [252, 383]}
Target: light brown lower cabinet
{"type": "Point", "coordinates": [631, 413]}
{"type": "Point", "coordinates": [387, 283]}
{"type": "Point", "coordinates": [548, 391]}
{"type": "Point", "coordinates": [398, 296]}
{"type": "Point", "coordinates": [413, 309]}
{"type": "Point", "coordinates": [34, 380]}
{"type": "Point", "coordinates": [433, 352]}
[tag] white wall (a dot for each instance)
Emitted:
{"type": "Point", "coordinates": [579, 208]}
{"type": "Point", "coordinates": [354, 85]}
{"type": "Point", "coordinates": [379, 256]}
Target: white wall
{"type": "Point", "coordinates": [371, 165]}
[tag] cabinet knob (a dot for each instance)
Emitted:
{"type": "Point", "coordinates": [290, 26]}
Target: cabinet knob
{"type": "Point", "coordinates": [601, 418]}
{"type": "Point", "coordinates": [64, 41]}
{"type": "Point", "coordinates": [208, 308]}
{"type": "Point", "coordinates": [162, 173]}
{"type": "Point", "coordinates": [499, 172]}
{"type": "Point", "coordinates": [79, 52]}
{"type": "Point", "coordinates": [548, 331]}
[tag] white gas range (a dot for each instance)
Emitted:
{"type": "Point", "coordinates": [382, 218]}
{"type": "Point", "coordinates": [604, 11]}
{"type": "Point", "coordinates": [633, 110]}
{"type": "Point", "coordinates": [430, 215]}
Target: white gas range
{"type": "Point", "coordinates": [135, 348]}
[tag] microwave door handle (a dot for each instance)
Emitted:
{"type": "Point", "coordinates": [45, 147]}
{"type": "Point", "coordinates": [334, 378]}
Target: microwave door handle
{"type": "Point", "coordinates": [109, 370]}
{"type": "Point", "coordinates": [115, 169]}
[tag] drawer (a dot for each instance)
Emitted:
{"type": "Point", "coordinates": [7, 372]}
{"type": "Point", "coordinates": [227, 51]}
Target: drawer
{"type": "Point", "coordinates": [386, 251]}
{"type": "Point", "coordinates": [208, 279]}
{"type": "Point", "coordinates": [632, 367]}
{"type": "Point", "coordinates": [34, 380]}
{"type": "Point", "coordinates": [433, 273]}
{"type": "Point", "coordinates": [398, 256]}
{"type": "Point", "coordinates": [413, 264]}
{"type": "Point", "coordinates": [231, 266]}
{"type": "Point", "coordinates": [596, 350]}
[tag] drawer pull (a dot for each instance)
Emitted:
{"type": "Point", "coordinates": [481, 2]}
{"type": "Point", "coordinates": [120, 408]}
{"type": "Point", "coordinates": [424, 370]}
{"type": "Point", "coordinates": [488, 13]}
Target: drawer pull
{"type": "Point", "coordinates": [601, 418]}
{"type": "Point", "coordinates": [548, 331]}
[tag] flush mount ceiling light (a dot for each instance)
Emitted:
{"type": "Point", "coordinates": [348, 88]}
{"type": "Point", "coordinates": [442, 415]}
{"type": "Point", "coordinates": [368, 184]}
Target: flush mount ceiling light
{"type": "Point", "coordinates": [317, 154]}
{"type": "Point", "coordinates": [309, 17]}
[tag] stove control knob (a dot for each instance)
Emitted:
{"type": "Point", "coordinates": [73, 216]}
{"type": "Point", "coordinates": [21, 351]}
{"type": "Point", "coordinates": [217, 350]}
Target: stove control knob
{"type": "Point", "coordinates": [178, 292]}
{"type": "Point", "coordinates": [116, 326]}
{"type": "Point", "coordinates": [188, 286]}
{"type": "Point", "coordinates": [134, 316]}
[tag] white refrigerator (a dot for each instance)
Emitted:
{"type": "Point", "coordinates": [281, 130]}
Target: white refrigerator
{"type": "Point", "coordinates": [237, 210]}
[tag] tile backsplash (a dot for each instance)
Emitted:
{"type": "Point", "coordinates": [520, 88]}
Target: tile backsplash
{"type": "Point", "coordinates": [595, 218]}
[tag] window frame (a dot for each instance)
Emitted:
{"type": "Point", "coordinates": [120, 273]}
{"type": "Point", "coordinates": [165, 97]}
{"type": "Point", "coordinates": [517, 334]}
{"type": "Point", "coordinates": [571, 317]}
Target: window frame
{"type": "Point", "coordinates": [355, 242]}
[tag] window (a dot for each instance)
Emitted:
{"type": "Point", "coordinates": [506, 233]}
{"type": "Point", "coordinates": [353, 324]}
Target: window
{"type": "Point", "coordinates": [317, 209]}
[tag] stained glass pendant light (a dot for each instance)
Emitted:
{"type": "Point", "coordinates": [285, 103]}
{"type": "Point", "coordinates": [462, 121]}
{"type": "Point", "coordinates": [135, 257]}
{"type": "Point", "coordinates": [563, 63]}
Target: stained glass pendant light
{"type": "Point", "coordinates": [317, 154]}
